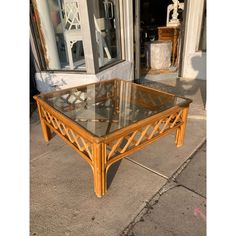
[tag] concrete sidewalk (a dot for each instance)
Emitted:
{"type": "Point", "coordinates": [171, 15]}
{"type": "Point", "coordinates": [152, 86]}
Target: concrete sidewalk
{"type": "Point", "coordinates": [62, 197]}
{"type": "Point", "coordinates": [179, 208]}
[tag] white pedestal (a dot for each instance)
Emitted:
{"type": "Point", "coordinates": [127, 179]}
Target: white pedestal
{"type": "Point", "coordinates": [158, 54]}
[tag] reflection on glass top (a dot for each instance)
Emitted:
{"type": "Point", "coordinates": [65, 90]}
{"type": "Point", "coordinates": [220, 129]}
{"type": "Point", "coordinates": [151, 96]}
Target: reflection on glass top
{"type": "Point", "coordinates": [105, 107]}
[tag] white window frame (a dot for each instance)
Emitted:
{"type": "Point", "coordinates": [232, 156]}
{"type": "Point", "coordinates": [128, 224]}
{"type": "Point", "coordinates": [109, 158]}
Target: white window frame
{"type": "Point", "coordinates": [89, 45]}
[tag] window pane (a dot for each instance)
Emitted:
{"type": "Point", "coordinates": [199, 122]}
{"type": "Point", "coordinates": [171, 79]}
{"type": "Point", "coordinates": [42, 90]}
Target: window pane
{"type": "Point", "coordinates": [107, 30]}
{"type": "Point", "coordinates": [65, 18]}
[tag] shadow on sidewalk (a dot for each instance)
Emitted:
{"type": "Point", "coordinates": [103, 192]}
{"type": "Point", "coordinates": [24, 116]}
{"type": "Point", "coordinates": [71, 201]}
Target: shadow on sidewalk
{"type": "Point", "coordinates": [112, 172]}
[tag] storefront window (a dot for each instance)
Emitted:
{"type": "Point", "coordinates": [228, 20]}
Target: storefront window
{"type": "Point", "coordinates": [65, 27]}
{"type": "Point", "coordinates": [107, 30]}
{"type": "Point", "coordinates": [65, 18]}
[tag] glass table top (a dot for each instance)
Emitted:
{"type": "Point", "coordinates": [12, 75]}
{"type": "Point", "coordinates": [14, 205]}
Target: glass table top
{"type": "Point", "coordinates": [104, 107]}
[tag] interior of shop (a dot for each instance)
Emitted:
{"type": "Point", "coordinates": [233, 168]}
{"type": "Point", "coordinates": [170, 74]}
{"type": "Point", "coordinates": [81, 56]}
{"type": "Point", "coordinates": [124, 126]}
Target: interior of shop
{"type": "Point", "coordinates": [160, 35]}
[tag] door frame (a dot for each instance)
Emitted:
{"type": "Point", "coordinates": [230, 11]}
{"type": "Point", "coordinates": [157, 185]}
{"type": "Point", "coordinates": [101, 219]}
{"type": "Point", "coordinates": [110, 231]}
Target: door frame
{"type": "Point", "coordinates": [137, 41]}
{"type": "Point", "coordinates": [137, 14]}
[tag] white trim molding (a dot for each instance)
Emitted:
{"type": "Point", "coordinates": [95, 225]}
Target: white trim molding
{"type": "Point", "coordinates": [47, 81]}
{"type": "Point", "coordinates": [194, 61]}
{"type": "Point", "coordinates": [128, 34]}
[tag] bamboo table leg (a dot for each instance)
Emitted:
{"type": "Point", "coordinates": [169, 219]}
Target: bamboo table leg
{"type": "Point", "coordinates": [99, 170]}
{"type": "Point", "coordinates": [45, 129]}
{"type": "Point", "coordinates": [181, 130]}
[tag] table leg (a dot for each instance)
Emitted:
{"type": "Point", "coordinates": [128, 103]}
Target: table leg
{"type": "Point", "coordinates": [45, 129]}
{"type": "Point", "coordinates": [99, 171]}
{"type": "Point", "coordinates": [181, 130]}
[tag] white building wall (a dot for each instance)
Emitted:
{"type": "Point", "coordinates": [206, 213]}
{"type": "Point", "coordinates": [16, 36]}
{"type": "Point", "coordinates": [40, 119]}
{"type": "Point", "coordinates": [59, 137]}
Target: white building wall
{"type": "Point", "coordinates": [194, 61]}
{"type": "Point", "coordinates": [49, 81]}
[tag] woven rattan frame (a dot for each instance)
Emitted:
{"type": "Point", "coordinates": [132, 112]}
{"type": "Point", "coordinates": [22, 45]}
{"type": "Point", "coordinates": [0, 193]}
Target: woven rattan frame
{"type": "Point", "coordinates": [102, 152]}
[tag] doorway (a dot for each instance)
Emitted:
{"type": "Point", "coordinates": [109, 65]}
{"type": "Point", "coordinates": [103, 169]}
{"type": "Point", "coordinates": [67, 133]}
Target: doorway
{"type": "Point", "coordinates": [157, 41]}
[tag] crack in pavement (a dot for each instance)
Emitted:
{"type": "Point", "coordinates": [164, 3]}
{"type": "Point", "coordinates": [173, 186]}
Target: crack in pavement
{"type": "Point", "coordinates": [171, 184]}
{"type": "Point", "coordinates": [150, 206]}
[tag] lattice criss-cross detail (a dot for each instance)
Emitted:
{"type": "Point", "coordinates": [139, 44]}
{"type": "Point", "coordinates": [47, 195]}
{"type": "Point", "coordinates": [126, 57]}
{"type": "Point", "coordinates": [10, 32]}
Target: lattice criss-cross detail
{"type": "Point", "coordinates": [76, 97]}
{"type": "Point", "coordinates": [144, 134]}
{"type": "Point", "coordinates": [68, 102]}
{"type": "Point", "coordinates": [83, 99]}
{"type": "Point", "coordinates": [72, 42]}
{"type": "Point", "coordinates": [72, 15]}
{"type": "Point", "coordinates": [153, 103]}
{"type": "Point", "coordinates": [83, 145]}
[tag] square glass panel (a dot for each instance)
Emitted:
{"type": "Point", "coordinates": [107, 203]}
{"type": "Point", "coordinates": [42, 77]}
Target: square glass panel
{"type": "Point", "coordinates": [104, 107]}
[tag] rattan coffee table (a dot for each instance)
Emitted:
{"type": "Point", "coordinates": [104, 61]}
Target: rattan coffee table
{"type": "Point", "coordinates": [109, 120]}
